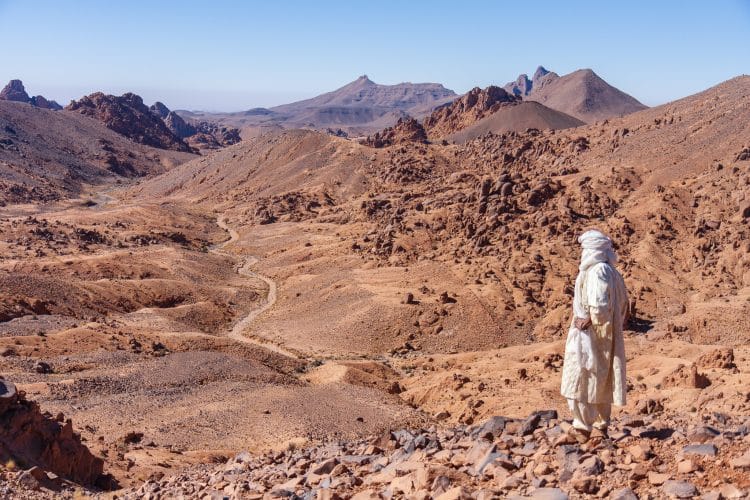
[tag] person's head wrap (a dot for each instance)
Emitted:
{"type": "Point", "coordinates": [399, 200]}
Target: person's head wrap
{"type": "Point", "coordinates": [597, 247]}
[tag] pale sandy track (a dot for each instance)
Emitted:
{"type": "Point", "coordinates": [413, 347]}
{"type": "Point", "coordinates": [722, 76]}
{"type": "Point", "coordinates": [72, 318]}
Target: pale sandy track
{"type": "Point", "coordinates": [237, 332]}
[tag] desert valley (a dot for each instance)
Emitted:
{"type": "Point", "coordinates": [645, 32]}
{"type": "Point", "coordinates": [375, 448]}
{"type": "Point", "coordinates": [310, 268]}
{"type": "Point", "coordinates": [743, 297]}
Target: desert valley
{"type": "Point", "coordinates": [366, 294]}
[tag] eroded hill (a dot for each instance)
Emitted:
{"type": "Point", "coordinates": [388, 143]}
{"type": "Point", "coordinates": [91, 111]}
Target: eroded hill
{"type": "Point", "coordinates": [49, 155]}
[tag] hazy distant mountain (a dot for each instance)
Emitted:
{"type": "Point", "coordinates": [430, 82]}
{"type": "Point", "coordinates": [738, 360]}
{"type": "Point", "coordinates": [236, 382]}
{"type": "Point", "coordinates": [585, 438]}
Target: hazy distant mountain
{"type": "Point", "coordinates": [360, 106]}
{"type": "Point", "coordinates": [581, 94]}
{"type": "Point", "coordinates": [412, 98]}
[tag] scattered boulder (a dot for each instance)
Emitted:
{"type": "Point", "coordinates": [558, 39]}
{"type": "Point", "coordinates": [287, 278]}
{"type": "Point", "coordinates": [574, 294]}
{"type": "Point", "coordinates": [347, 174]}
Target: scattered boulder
{"type": "Point", "coordinates": [708, 450]}
{"type": "Point", "coordinates": [679, 489]}
{"type": "Point", "coordinates": [722, 358]}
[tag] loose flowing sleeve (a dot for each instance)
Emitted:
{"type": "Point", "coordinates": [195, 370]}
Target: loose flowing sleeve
{"type": "Point", "coordinates": [598, 299]}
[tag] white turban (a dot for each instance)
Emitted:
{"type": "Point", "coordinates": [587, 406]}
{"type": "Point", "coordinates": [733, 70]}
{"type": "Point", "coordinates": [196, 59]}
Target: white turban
{"type": "Point", "coordinates": [597, 247]}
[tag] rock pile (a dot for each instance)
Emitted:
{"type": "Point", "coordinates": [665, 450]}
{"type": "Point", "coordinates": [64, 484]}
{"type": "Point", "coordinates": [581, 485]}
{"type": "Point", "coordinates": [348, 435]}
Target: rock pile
{"type": "Point", "coordinates": [654, 456]}
{"type": "Point", "coordinates": [405, 130]}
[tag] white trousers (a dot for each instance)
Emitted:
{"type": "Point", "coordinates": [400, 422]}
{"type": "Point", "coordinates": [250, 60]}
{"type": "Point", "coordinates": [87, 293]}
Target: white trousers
{"type": "Point", "coordinates": [589, 415]}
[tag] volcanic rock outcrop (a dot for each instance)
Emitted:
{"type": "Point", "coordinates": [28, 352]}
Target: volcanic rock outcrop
{"type": "Point", "coordinates": [127, 115]}
{"type": "Point", "coordinates": [15, 91]}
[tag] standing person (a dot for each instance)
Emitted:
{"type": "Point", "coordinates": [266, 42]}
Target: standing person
{"type": "Point", "coordinates": [594, 367]}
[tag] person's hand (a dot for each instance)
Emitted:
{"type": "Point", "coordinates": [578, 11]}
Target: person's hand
{"type": "Point", "coordinates": [582, 323]}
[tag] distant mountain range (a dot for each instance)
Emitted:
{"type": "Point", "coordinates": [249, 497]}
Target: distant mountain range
{"type": "Point", "coordinates": [546, 101]}
{"type": "Point", "coordinates": [358, 107]}
{"type": "Point", "coordinates": [363, 106]}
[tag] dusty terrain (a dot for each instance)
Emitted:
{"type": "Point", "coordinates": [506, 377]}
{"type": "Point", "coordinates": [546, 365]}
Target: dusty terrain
{"type": "Point", "coordinates": [300, 293]}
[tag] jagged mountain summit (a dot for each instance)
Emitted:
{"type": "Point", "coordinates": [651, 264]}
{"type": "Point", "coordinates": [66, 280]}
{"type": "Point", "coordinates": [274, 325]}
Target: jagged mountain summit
{"type": "Point", "coordinates": [15, 91]}
{"type": "Point", "coordinates": [582, 94]}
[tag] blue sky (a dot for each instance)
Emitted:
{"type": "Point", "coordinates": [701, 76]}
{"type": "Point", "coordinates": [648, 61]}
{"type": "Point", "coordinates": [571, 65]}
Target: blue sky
{"type": "Point", "coordinates": [223, 55]}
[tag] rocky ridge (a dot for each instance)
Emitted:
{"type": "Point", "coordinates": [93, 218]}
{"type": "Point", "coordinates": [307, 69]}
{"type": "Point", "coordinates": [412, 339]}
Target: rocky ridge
{"type": "Point", "coordinates": [199, 135]}
{"type": "Point", "coordinates": [15, 91]}
{"type": "Point", "coordinates": [48, 155]}
{"type": "Point", "coordinates": [127, 115]}
{"type": "Point", "coordinates": [358, 108]}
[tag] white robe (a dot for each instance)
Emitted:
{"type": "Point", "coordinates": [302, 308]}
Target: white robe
{"type": "Point", "coordinates": [595, 373]}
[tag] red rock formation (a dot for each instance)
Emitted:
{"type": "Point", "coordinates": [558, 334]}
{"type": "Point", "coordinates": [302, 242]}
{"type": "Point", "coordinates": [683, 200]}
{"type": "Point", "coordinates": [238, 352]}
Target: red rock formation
{"type": "Point", "coordinates": [14, 91]}
{"type": "Point", "coordinates": [30, 438]}
{"type": "Point", "coordinates": [468, 109]}
{"type": "Point", "coordinates": [405, 130]}
{"type": "Point", "coordinates": [127, 115]}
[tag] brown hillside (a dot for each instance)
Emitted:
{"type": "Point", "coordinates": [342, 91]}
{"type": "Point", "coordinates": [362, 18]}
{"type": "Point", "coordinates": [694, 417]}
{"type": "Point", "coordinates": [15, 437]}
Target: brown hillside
{"type": "Point", "coordinates": [46, 155]}
{"type": "Point", "coordinates": [524, 116]}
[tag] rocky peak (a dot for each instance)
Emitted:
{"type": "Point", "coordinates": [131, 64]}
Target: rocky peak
{"type": "Point", "coordinates": [15, 91]}
{"type": "Point", "coordinates": [41, 102]}
{"type": "Point", "coordinates": [159, 109]}
{"type": "Point", "coordinates": [523, 87]}
{"type": "Point", "coordinates": [178, 126]}
{"type": "Point", "coordinates": [540, 72]}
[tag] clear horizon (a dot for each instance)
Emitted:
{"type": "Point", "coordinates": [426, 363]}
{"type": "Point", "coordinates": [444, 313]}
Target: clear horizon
{"type": "Point", "coordinates": [232, 56]}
